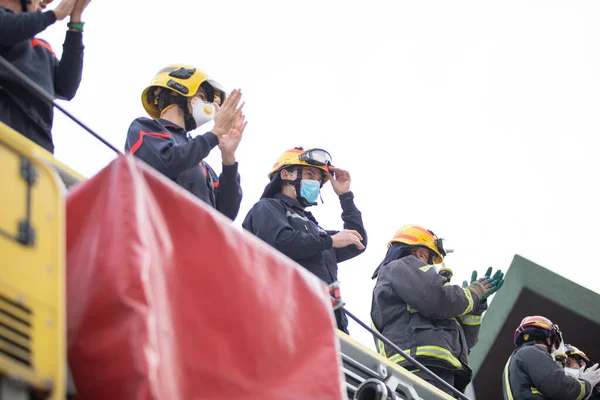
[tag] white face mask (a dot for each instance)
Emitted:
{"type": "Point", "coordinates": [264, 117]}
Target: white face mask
{"type": "Point", "coordinates": [202, 112]}
{"type": "Point", "coordinates": [572, 372]}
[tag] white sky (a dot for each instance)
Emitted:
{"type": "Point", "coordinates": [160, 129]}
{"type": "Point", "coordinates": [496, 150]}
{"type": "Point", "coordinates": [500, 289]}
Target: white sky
{"type": "Point", "coordinates": [478, 120]}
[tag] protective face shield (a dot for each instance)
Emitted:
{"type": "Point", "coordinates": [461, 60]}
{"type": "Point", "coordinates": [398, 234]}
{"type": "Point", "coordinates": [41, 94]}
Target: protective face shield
{"type": "Point", "coordinates": [202, 111]}
{"type": "Point", "coordinates": [309, 190]}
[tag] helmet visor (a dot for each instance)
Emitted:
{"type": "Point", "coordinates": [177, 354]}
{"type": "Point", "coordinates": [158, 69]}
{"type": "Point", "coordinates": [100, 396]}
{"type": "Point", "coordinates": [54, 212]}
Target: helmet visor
{"type": "Point", "coordinates": [318, 157]}
{"type": "Point", "coordinates": [440, 246]}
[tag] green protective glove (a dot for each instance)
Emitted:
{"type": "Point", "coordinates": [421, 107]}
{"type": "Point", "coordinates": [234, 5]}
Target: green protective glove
{"type": "Point", "coordinates": [473, 279]}
{"type": "Point", "coordinates": [496, 281]}
{"type": "Point", "coordinates": [488, 273]}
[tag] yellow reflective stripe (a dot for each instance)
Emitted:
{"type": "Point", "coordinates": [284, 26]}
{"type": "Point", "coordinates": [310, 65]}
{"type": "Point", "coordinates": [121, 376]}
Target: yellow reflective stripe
{"type": "Point", "coordinates": [471, 319]}
{"type": "Point", "coordinates": [507, 381]}
{"type": "Point", "coordinates": [381, 347]}
{"type": "Point", "coordinates": [582, 391]}
{"type": "Point", "coordinates": [470, 299]}
{"type": "Point", "coordinates": [535, 391]}
{"type": "Point", "coordinates": [410, 309]}
{"type": "Point", "coordinates": [439, 352]}
{"type": "Point", "coordinates": [426, 268]}
{"type": "Point", "coordinates": [380, 344]}
{"type": "Point", "coordinates": [396, 358]}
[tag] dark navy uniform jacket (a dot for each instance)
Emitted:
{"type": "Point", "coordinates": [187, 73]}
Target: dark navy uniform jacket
{"type": "Point", "coordinates": [34, 57]}
{"type": "Point", "coordinates": [167, 148]}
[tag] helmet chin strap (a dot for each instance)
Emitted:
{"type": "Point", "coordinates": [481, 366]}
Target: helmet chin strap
{"type": "Point", "coordinates": [24, 4]}
{"type": "Point", "coordinates": [188, 118]}
{"type": "Point", "coordinates": [297, 184]}
{"type": "Point", "coordinates": [431, 258]}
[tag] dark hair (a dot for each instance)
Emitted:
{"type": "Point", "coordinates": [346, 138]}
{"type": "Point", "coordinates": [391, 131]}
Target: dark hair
{"type": "Point", "coordinates": [168, 97]}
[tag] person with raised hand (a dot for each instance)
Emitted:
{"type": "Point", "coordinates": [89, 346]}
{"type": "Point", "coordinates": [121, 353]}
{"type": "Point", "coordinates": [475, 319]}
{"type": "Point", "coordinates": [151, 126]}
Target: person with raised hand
{"type": "Point", "coordinates": [416, 307]}
{"type": "Point", "coordinates": [20, 22]}
{"type": "Point", "coordinates": [496, 281]}
{"type": "Point", "coordinates": [280, 217]}
{"type": "Point", "coordinates": [179, 99]}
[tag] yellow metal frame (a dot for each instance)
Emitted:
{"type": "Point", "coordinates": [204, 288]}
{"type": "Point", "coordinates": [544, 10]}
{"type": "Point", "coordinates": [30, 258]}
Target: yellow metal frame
{"type": "Point", "coordinates": [406, 375]}
{"type": "Point", "coordinates": [32, 276]}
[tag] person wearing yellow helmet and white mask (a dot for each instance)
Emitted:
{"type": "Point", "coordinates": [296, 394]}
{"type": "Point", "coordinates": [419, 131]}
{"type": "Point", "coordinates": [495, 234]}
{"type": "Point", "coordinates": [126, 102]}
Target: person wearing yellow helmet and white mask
{"type": "Point", "coordinates": [180, 99]}
{"type": "Point", "coordinates": [281, 220]}
{"type": "Point", "coordinates": [416, 308]}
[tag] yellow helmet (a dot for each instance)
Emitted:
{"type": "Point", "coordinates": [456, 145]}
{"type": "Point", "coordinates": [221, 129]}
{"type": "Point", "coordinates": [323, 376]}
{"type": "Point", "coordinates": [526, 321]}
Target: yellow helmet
{"type": "Point", "coordinates": [415, 235]}
{"type": "Point", "coordinates": [183, 79]}
{"type": "Point", "coordinates": [317, 158]}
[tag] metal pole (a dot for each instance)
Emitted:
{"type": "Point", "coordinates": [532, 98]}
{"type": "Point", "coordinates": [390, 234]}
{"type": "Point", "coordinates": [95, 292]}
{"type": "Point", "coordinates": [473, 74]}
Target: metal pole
{"type": "Point", "coordinates": [35, 89]}
{"type": "Point", "coordinates": [408, 357]}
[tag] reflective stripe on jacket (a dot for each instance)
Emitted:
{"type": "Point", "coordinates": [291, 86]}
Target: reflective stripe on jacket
{"type": "Point", "coordinates": [425, 316]}
{"type": "Point", "coordinates": [530, 374]}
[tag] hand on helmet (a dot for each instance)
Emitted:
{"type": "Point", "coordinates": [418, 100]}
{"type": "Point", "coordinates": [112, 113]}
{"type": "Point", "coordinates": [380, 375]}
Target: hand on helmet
{"type": "Point", "coordinates": [226, 115]}
{"type": "Point", "coordinates": [592, 375]}
{"type": "Point", "coordinates": [340, 180]}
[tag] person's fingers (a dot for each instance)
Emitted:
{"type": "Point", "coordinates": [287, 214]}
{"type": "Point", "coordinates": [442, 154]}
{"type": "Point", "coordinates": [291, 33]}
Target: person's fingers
{"type": "Point", "coordinates": [355, 233]}
{"type": "Point", "coordinates": [488, 273]}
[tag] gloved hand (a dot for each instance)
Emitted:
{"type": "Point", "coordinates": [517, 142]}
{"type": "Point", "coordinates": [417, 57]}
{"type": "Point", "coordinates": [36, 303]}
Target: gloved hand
{"type": "Point", "coordinates": [496, 281]}
{"type": "Point", "coordinates": [473, 279]}
{"type": "Point", "coordinates": [481, 287]}
{"type": "Point", "coordinates": [592, 375]}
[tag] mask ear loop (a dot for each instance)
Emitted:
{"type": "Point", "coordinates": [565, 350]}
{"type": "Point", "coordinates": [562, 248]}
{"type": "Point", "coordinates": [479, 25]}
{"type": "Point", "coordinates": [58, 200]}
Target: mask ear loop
{"type": "Point", "coordinates": [320, 192]}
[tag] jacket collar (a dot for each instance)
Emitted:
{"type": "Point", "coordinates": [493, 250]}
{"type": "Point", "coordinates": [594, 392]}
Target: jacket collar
{"type": "Point", "coordinates": [173, 128]}
{"type": "Point", "coordinates": [288, 200]}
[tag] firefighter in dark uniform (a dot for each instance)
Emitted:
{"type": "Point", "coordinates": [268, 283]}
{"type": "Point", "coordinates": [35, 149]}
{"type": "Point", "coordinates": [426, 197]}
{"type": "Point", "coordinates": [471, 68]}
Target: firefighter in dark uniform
{"type": "Point", "coordinates": [281, 220]}
{"type": "Point", "coordinates": [418, 310]}
{"type": "Point", "coordinates": [20, 21]}
{"type": "Point", "coordinates": [576, 363]}
{"type": "Point", "coordinates": [180, 99]}
{"type": "Point", "coordinates": [531, 371]}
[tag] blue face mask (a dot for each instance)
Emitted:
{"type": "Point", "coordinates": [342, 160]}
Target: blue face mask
{"type": "Point", "coordinates": [309, 189]}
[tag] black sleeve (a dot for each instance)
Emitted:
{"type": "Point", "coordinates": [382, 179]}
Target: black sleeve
{"type": "Point", "coordinates": [549, 378]}
{"type": "Point", "coordinates": [147, 141]}
{"type": "Point", "coordinates": [268, 220]}
{"type": "Point", "coordinates": [423, 289]}
{"type": "Point", "coordinates": [352, 220]}
{"type": "Point", "coordinates": [472, 322]}
{"type": "Point", "coordinates": [228, 191]}
{"type": "Point", "coordinates": [15, 28]}
{"type": "Point", "coordinates": [67, 74]}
